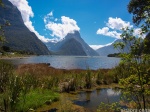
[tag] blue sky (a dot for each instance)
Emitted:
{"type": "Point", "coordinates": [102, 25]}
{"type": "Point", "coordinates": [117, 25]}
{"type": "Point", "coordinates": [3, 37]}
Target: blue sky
{"type": "Point", "coordinates": [98, 21]}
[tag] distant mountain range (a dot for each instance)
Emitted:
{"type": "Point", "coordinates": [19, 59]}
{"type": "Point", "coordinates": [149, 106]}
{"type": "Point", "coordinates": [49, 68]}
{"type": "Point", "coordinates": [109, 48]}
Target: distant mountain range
{"type": "Point", "coordinates": [105, 51]}
{"type": "Point", "coordinates": [73, 44]}
{"type": "Point", "coordinates": [18, 36]}
{"type": "Point", "coordinates": [144, 48]}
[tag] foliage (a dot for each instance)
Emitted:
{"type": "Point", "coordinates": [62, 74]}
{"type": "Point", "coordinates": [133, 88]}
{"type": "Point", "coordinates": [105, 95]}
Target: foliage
{"type": "Point", "coordinates": [2, 26]}
{"type": "Point", "coordinates": [114, 55]}
{"type": "Point", "coordinates": [5, 49]}
{"type": "Point", "coordinates": [133, 70]}
{"type": "Point", "coordinates": [113, 107]}
{"type": "Point", "coordinates": [6, 70]}
{"type": "Point", "coordinates": [141, 13]}
{"type": "Point", "coordinates": [19, 93]}
{"type": "Point", "coordinates": [134, 75]}
{"type": "Point", "coordinates": [10, 87]}
{"type": "Point", "coordinates": [88, 80]}
{"type": "Point", "coordinates": [147, 44]}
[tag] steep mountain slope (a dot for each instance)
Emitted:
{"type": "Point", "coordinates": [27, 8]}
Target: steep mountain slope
{"type": "Point", "coordinates": [75, 46]}
{"type": "Point", "coordinates": [72, 43]}
{"type": "Point", "coordinates": [18, 36]}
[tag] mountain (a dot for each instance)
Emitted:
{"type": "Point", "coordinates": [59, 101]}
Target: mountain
{"type": "Point", "coordinates": [66, 49]}
{"type": "Point", "coordinates": [18, 36]}
{"type": "Point", "coordinates": [105, 51]}
{"type": "Point", "coordinates": [73, 44]}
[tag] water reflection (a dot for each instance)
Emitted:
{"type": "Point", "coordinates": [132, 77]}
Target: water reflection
{"type": "Point", "coordinates": [92, 99]}
{"type": "Point", "coordinates": [113, 92]}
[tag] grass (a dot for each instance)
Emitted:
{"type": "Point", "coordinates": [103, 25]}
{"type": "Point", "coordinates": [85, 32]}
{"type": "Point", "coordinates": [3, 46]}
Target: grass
{"type": "Point", "coordinates": [36, 84]}
{"type": "Point", "coordinates": [36, 98]}
{"type": "Point", "coordinates": [64, 104]}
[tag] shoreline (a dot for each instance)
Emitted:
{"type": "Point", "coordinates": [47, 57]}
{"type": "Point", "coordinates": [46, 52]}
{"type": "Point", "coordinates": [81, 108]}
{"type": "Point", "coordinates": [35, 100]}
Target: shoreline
{"type": "Point", "coordinates": [15, 57]}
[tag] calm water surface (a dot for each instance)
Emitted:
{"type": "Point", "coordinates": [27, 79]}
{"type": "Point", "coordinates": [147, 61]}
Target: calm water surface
{"type": "Point", "coordinates": [92, 99]}
{"type": "Point", "coordinates": [71, 62]}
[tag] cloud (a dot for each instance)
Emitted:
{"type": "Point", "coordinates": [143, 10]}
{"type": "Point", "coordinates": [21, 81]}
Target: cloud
{"type": "Point", "coordinates": [26, 12]}
{"type": "Point", "coordinates": [48, 17]}
{"type": "Point", "coordinates": [113, 27]}
{"type": "Point", "coordinates": [105, 31]}
{"type": "Point", "coordinates": [118, 23]}
{"type": "Point", "coordinates": [24, 8]}
{"type": "Point", "coordinates": [60, 28]}
{"type": "Point", "coordinates": [50, 14]}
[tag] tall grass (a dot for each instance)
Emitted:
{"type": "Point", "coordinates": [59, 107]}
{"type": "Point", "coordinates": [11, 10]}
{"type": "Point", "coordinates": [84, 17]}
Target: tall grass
{"type": "Point", "coordinates": [19, 92]}
{"type": "Point", "coordinates": [10, 87]}
{"type": "Point", "coordinates": [32, 85]}
{"type": "Point", "coordinates": [66, 80]}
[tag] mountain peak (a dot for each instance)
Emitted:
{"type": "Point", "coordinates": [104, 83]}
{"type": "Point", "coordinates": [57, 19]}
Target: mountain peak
{"type": "Point", "coordinates": [72, 41]}
{"type": "Point", "coordinates": [75, 34]}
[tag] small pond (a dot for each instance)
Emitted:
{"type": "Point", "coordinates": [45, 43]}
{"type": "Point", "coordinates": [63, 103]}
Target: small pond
{"type": "Point", "coordinates": [89, 100]}
{"type": "Point", "coordinates": [92, 99]}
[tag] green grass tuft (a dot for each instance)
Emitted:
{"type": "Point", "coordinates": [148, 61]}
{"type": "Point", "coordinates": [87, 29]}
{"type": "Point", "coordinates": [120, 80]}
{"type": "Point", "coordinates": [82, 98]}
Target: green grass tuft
{"type": "Point", "coordinates": [36, 98]}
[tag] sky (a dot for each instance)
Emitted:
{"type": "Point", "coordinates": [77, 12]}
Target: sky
{"type": "Point", "coordinates": [98, 21]}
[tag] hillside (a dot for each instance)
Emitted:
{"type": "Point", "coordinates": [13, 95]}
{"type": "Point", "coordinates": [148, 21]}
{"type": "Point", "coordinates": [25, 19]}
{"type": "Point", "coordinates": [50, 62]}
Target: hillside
{"type": "Point", "coordinates": [104, 51]}
{"type": "Point", "coordinates": [18, 36]}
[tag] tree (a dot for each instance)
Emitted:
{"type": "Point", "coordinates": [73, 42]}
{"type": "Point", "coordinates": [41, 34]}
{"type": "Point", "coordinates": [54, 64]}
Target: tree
{"type": "Point", "coordinates": [135, 75]}
{"type": "Point", "coordinates": [135, 65]}
{"type": "Point", "coordinates": [146, 49]}
{"type": "Point", "coordinates": [141, 13]}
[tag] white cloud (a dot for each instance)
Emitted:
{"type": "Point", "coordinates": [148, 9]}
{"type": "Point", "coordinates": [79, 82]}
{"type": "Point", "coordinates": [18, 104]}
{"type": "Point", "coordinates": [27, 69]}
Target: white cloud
{"type": "Point", "coordinates": [48, 17]}
{"type": "Point", "coordinates": [24, 8]}
{"type": "Point", "coordinates": [61, 29]}
{"type": "Point", "coordinates": [105, 31]}
{"type": "Point", "coordinates": [26, 12]}
{"type": "Point", "coordinates": [56, 19]}
{"type": "Point", "coordinates": [114, 26]}
{"type": "Point", "coordinates": [117, 23]}
{"type": "Point", "coordinates": [50, 14]}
